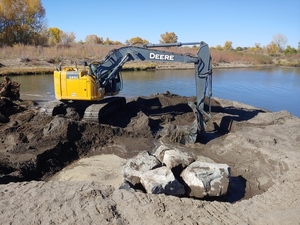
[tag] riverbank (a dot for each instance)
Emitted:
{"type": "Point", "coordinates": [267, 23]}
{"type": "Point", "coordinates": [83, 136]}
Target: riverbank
{"type": "Point", "coordinates": [23, 67]}
{"type": "Point", "coordinates": [19, 59]}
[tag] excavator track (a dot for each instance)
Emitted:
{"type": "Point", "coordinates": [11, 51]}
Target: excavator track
{"type": "Point", "coordinates": [91, 111]}
{"type": "Point", "coordinates": [52, 107]}
{"type": "Point", "coordinates": [101, 111]}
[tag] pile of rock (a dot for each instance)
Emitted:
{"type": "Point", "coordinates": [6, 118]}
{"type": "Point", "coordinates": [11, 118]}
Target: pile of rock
{"type": "Point", "coordinates": [176, 172]}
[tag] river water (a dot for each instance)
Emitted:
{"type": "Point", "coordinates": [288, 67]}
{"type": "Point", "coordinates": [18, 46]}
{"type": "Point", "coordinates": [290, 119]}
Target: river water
{"type": "Point", "coordinates": [273, 89]}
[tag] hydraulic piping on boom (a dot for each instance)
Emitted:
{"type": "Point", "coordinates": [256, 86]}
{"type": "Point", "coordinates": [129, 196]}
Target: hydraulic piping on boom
{"type": "Point", "coordinates": [89, 88]}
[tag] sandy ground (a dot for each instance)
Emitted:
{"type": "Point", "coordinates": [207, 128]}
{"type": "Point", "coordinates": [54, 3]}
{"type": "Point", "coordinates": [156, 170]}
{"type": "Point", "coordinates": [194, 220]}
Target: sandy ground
{"type": "Point", "coordinates": [106, 168]}
{"type": "Point", "coordinates": [59, 170]}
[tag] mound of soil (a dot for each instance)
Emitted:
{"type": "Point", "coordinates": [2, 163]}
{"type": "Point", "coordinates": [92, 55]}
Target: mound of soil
{"type": "Point", "coordinates": [36, 145]}
{"type": "Point", "coordinates": [9, 90]}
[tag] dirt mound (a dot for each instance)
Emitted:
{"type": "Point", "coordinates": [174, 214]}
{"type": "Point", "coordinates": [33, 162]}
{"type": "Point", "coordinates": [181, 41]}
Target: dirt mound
{"type": "Point", "coordinates": [35, 145]}
{"type": "Point", "coordinates": [9, 88]}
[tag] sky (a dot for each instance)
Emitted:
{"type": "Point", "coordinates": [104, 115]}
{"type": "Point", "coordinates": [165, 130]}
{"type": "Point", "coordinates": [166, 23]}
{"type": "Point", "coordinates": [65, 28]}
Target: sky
{"type": "Point", "coordinates": [243, 22]}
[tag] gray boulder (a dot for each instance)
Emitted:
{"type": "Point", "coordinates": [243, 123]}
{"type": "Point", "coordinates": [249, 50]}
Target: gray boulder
{"type": "Point", "coordinates": [206, 179]}
{"type": "Point", "coordinates": [137, 165]}
{"type": "Point", "coordinates": [176, 157]}
{"type": "Point", "coordinates": [161, 181]}
{"type": "Point", "coordinates": [160, 151]}
{"type": "Point", "coordinates": [176, 174]}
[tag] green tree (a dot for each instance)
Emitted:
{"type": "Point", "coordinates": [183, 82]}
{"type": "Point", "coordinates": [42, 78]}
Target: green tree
{"type": "Point", "coordinates": [289, 50]}
{"type": "Point", "coordinates": [136, 40]}
{"type": "Point", "coordinates": [168, 38]}
{"type": "Point", "coordinates": [238, 49]}
{"type": "Point", "coordinates": [21, 21]}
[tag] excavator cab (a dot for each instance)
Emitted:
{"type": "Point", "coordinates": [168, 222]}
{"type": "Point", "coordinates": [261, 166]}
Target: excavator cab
{"type": "Point", "coordinates": [113, 86]}
{"type": "Point", "coordinates": [92, 68]}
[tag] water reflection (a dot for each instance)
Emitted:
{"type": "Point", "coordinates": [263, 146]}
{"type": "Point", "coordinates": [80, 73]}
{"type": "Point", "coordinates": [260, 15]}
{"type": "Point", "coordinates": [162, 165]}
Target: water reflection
{"type": "Point", "coordinates": [148, 82]}
{"type": "Point", "coordinates": [36, 86]}
{"type": "Point", "coordinates": [272, 88]}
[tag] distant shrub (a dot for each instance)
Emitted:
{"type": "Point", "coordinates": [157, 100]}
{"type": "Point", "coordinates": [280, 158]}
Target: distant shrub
{"type": "Point", "coordinates": [289, 50]}
{"type": "Point", "coordinates": [90, 51]}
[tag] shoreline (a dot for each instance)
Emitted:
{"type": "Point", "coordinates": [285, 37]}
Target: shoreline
{"type": "Point", "coordinates": [15, 67]}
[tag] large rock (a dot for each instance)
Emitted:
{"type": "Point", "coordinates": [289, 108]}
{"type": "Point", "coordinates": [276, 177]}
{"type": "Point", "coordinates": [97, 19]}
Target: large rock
{"type": "Point", "coordinates": [137, 165]}
{"type": "Point", "coordinates": [176, 174]}
{"type": "Point", "coordinates": [206, 179]}
{"type": "Point", "coordinates": [161, 181]}
{"type": "Point", "coordinates": [174, 158]}
{"type": "Point", "coordinates": [160, 152]}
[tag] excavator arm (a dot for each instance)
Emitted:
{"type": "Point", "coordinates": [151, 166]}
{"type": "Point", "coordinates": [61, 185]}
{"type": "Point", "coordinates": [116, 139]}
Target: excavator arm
{"type": "Point", "coordinates": [109, 68]}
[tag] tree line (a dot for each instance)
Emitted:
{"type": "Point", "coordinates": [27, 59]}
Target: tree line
{"type": "Point", "coordinates": [23, 22]}
{"type": "Point", "coordinates": [275, 47]}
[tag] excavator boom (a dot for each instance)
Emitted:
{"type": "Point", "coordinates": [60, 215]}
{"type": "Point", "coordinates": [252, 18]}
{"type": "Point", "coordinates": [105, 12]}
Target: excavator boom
{"type": "Point", "coordinates": [112, 65]}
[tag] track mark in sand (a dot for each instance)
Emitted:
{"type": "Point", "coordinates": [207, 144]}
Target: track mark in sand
{"type": "Point", "coordinates": [218, 211]}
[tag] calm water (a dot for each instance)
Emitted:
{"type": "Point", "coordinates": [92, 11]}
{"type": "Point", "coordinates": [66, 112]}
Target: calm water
{"type": "Point", "coordinates": [273, 89]}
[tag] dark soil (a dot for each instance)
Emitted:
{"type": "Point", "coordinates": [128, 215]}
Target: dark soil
{"type": "Point", "coordinates": [35, 145]}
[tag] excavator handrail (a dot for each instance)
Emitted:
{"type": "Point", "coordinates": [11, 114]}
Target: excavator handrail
{"type": "Point", "coordinates": [177, 44]}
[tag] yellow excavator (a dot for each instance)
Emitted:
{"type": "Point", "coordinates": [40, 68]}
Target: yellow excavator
{"type": "Point", "coordinates": [87, 89]}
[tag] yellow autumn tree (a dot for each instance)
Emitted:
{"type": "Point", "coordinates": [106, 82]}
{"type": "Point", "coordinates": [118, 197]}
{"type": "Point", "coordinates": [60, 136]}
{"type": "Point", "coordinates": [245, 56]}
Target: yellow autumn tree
{"type": "Point", "coordinates": [168, 38]}
{"type": "Point", "coordinates": [256, 49]}
{"type": "Point", "coordinates": [136, 40]}
{"type": "Point", "coordinates": [21, 21]}
{"type": "Point", "coordinates": [107, 41]}
{"type": "Point", "coordinates": [228, 45]}
{"type": "Point", "coordinates": [54, 36]}
{"type": "Point", "coordinates": [272, 48]}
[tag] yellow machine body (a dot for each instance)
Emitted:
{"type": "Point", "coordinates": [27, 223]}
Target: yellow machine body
{"type": "Point", "coordinates": [70, 84]}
